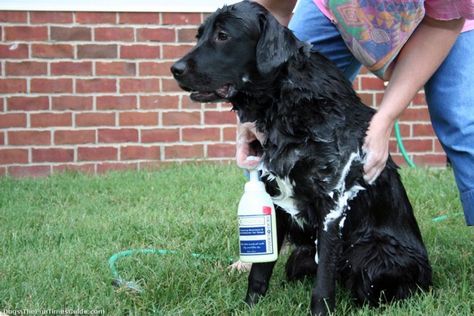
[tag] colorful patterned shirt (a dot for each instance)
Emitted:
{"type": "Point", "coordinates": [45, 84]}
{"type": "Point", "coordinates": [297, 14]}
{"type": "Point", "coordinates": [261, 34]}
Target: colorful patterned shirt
{"type": "Point", "coordinates": [376, 30]}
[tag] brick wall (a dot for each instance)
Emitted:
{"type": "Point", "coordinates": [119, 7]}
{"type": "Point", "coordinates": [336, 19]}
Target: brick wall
{"type": "Point", "coordinates": [93, 92]}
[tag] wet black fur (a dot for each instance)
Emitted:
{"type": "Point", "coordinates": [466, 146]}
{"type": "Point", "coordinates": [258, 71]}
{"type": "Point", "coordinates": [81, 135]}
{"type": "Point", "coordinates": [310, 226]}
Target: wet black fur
{"type": "Point", "coordinates": [313, 121]}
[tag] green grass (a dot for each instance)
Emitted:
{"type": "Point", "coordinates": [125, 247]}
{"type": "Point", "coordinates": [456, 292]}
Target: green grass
{"type": "Point", "coordinates": [56, 235]}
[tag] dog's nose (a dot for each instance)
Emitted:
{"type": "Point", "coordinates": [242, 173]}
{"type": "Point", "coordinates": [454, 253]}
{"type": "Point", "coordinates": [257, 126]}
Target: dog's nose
{"type": "Point", "coordinates": [178, 69]}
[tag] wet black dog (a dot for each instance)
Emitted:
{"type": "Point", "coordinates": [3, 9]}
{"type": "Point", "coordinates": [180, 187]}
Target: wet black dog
{"type": "Point", "coordinates": [314, 126]}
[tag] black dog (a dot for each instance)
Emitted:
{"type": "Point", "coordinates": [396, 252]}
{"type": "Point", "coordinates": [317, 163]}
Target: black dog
{"type": "Point", "coordinates": [314, 126]}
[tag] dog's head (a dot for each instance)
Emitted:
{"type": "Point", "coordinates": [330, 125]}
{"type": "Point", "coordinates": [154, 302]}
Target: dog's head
{"type": "Point", "coordinates": [237, 46]}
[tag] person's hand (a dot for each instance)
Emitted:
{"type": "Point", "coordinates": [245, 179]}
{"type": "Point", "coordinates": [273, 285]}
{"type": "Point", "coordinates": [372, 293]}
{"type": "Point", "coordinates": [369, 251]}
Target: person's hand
{"type": "Point", "coordinates": [246, 156]}
{"type": "Point", "coordinates": [376, 146]}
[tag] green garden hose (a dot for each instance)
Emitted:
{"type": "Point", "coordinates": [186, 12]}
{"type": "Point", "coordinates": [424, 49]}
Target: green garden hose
{"type": "Point", "coordinates": [133, 286]}
{"type": "Point", "coordinates": [401, 147]}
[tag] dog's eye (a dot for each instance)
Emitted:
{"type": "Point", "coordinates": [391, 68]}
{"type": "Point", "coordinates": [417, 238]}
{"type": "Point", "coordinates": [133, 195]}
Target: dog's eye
{"type": "Point", "coordinates": [222, 36]}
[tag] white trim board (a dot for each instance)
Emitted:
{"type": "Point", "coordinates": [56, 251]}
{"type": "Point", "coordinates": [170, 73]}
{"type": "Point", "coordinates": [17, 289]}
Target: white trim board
{"type": "Point", "coordinates": [114, 5]}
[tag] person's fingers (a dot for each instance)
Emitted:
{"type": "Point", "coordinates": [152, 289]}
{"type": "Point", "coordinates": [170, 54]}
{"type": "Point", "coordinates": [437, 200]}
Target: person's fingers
{"type": "Point", "coordinates": [376, 159]}
{"type": "Point", "coordinates": [246, 134]}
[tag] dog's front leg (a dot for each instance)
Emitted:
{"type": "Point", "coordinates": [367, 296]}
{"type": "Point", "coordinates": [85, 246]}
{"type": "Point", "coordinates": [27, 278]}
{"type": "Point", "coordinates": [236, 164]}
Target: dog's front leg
{"type": "Point", "coordinates": [260, 273]}
{"type": "Point", "coordinates": [328, 250]}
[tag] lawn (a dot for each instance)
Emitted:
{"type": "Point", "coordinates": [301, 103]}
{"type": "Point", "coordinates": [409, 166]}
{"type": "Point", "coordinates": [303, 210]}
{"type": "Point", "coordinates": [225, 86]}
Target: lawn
{"type": "Point", "coordinates": [57, 234]}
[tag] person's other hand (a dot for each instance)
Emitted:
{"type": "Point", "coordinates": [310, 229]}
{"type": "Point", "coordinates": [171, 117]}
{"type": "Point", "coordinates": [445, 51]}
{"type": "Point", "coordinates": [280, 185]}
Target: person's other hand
{"type": "Point", "coordinates": [376, 146]}
{"type": "Point", "coordinates": [248, 142]}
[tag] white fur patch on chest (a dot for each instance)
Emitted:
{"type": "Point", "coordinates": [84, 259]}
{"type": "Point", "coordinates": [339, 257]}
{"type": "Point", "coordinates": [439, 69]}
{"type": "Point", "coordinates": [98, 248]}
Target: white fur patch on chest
{"type": "Point", "coordinates": [285, 200]}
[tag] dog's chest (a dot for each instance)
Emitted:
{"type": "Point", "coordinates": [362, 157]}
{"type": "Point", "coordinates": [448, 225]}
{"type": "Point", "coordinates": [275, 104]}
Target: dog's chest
{"type": "Point", "coordinates": [285, 198]}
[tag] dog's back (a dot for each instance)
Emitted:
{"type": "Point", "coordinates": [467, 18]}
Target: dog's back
{"type": "Point", "coordinates": [314, 144]}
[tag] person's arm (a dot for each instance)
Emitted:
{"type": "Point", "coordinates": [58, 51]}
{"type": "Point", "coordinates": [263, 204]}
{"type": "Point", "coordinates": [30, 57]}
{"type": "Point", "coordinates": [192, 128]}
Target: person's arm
{"type": "Point", "coordinates": [422, 54]}
{"type": "Point", "coordinates": [281, 9]}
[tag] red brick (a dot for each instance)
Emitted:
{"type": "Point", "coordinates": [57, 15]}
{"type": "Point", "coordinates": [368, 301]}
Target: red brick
{"type": "Point", "coordinates": [115, 69]}
{"type": "Point", "coordinates": [138, 118]}
{"type": "Point", "coordinates": [125, 102]}
{"type": "Point", "coordinates": [52, 51]}
{"type": "Point", "coordinates": [419, 99]}
{"type": "Point", "coordinates": [95, 18]}
{"type": "Point", "coordinates": [170, 85]}
{"type": "Point", "coordinates": [154, 68]}
{"type": "Point", "coordinates": [29, 138]}
{"type": "Point", "coordinates": [12, 120]}
{"type": "Point", "coordinates": [13, 156]}
{"type": "Point", "coordinates": [72, 102]}
{"type": "Point", "coordinates": [221, 150]}
{"type": "Point", "coordinates": [176, 51]}
{"type": "Point", "coordinates": [201, 134]}
{"type": "Point", "coordinates": [12, 86]}
{"type": "Point", "coordinates": [159, 102]}
{"type": "Point", "coordinates": [399, 160]}
{"type": "Point", "coordinates": [96, 153]}
{"type": "Point", "coordinates": [438, 148]}
{"type": "Point", "coordinates": [26, 68]}
{"type": "Point", "coordinates": [27, 103]}
{"type": "Point", "coordinates": [230, 134]}
{"type": "Point", "coordinates": [83, 68]}
{"type": "Point", "coordinates": [152, 164]}
{"type": "Point", "coordinates": [372, 83]}
{"type": "Point", "coordinates": [139, 52]}
{"type": "Point", "coordinates": [430, 159]}
{"type": "Point", "coordinates": [139, 85]}
{"type": "Point", "coordinates": [159, 135]}
{"type": "Point", "coordinates": [121, 34]}
{"type": "Point", "coordinates": [29, 171]}
{"type": "Point", "coordinates": [219, 117]}
{"type": "Point", "coordinates": [140, 153]}
{"type": "Point", "coordinates": [181, 18]}
{"type": "Point", "coordinates": [139, 18]}
{"type": "Point", "coordinates": [95, 85]}
{"type": "Point", "coordinates": [156, 34]}
{"type": "Point", "coordinates": [51, 85]}
{"type": "Point", "coordinates": [13, 16]}
{"type": "Point", "coordinates": [76, 33]}
{"type": "Point", "coordinates": [50, 119]}
{"type": "Point", "coordinates": [73, 137]}
{"type": "Point", "coordinates": [95, 119]}
{"type": "Point", "coordinates": [405, 130]}
{"type": "Point", "coordinates": [25, 33]}
{"type": "Point", "coordinates": [123, 135]}
{"type": "Point", "coordinates": [415, 114]}
{"type": "Point", "coordinates": [52, 155]}
{"type": "Point", "coordinates": [50, 17]}
{"type": "Point", "coordinates": [187, 103]}
{"type": "Point", "coordinates": [184, 151]}
{"type": "Point", "coordinates": [423, 130]}
{"type": "Point", "coordinates": [96, 51]}
{"type": "Point", "coordinates": [83, 168]}
{"type": "Point", "coordinates": [13, 51]}
{"type": "Point", "coordinates": [418, 145]}
{"type": "Point", "coordinates": [187, 35]}
{"type": "Point", "coordinates": [181, 118]}
{"type": "Point", "coordinates": [393, 146]}
{"type": "Point", "coordinates": [367, 98]}
{"type": "Point", "coordinates": [115, 166]}
{"type": "Point", "coordinates": [2, 138]}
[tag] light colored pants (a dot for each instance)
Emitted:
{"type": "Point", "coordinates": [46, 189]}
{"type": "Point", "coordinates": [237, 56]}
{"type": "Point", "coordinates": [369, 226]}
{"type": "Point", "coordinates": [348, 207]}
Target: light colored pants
{"type": "Point", "coordinates": [449, 92]}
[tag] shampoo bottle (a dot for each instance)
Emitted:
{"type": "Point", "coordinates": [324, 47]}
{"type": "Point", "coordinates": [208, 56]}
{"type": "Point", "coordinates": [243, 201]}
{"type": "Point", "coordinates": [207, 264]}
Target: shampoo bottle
{"type": "Point", "coordinates": [257, 223]}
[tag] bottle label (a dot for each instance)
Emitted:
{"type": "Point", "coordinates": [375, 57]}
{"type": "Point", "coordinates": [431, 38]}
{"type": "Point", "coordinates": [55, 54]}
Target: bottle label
{"type": "Point", "coordinates": [255, 235]}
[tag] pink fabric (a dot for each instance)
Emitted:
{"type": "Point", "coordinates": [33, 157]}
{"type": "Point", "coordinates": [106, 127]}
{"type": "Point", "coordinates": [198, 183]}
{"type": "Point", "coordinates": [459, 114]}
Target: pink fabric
{"type": "Point", "coordinates": [436, 9]}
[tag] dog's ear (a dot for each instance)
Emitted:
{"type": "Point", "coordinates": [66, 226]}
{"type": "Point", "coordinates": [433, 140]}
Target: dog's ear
{"type": "Point", "coordinates": [275, 45]}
